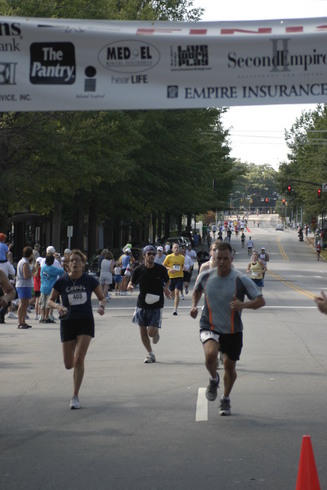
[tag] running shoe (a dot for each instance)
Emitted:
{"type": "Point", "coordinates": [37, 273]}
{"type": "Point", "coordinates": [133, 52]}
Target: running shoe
{"type": "Point", "coordinates": [12, 315]}
{"type": "Point", "coordinates": [150, 358]}
{"type": "Point", "coordinates": [156, 338]}
{"type": "Point", "coordinates": [74, 403]}
{"type": "Point", "coordinates": [211, 391]}
{"type": "Point", "coordinates": [175, 312]}
{"type": "Point", "coordinates": [24, 326]}
{"type": "Point", "coordinates": [49, 320]}
{"type": "Point", "coordinates": [225, 407]}
{"type": "Point", "coordinates": [186, 290]}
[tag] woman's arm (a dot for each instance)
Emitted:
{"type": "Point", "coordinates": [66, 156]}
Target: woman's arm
{"type": "Point", "coordinates": [102, 300]}
{"type": "Point", "coordinates": [28, 271]}
{"type": "Point", "coordinates": [52, 303]}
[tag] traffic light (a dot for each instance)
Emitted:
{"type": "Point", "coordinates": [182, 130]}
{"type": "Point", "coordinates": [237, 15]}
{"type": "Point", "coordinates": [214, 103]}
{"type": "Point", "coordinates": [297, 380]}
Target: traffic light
{"type": "Point", "coordinates": [267, 200]}
{"type": "Point", "coordinates": [289, 189]}
{"type": "Point", "coordinates": [284, 201]}
{"type": "Point", "coordinates": [319, 193]}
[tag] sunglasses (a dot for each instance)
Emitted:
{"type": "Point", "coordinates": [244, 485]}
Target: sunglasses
{"type": "Point", "coordinates": [151, 253]}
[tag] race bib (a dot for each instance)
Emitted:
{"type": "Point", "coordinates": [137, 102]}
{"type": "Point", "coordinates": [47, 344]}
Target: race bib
{"type": "Point", "coordinates": [77, 298]}
{"type": "Point", "coordinates": [150, 299]}
{"type": "Point", "coordinates": [176, 267]}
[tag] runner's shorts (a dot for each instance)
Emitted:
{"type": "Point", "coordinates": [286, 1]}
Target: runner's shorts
{"type": "Point", "coordinates": [147, 317]}
{"type": "Point", "coordinates": [71, 329]}
{"type": "Point", "coordinates": [230, 343]}
{"type": "Point", "coordinates": [176, 283]}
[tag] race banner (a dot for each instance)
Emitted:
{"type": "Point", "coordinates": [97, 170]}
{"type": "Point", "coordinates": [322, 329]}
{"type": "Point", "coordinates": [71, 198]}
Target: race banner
{"type": "Point", "coordinates": [75, 65]}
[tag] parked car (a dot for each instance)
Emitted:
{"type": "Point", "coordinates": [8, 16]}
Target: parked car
{"type": "Point", "coordinates": [280, 227]}
{"type": "Point", "coordinates": [181, 240]}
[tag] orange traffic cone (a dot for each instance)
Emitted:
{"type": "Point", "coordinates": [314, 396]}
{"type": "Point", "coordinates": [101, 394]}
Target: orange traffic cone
{"type": "Point", "coordinates": [307, 476]}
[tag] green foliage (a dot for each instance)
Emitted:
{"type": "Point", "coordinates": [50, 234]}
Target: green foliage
{"type": "Point", "coordinates": [255, 183]}
{"type": "Point", "coordinates": [307, 141]}
{"type": "Point", "coordinates": [132, 162]}
{"type": "Point", "coordinates": [103, 9]}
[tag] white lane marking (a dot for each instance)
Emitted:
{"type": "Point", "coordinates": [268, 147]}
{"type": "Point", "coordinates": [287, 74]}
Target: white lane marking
{"type": "Point", "coordinates": [166, 309]}
{"type": "Point", "coordinates": [201, 413]}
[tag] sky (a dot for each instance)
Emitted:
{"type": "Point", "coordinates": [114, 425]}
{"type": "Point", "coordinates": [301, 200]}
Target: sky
{"type": "Point", "coordinates": [257, 132]}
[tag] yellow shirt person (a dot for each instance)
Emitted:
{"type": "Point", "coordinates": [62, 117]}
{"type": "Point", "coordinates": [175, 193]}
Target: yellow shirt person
{"type": "Point", "coordinates": [174, 263]}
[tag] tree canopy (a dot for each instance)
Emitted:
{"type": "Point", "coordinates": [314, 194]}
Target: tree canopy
{"type": "Point", "coordinates": [306, 169]}
{"type": "Point", "coordinates": [124, 164]}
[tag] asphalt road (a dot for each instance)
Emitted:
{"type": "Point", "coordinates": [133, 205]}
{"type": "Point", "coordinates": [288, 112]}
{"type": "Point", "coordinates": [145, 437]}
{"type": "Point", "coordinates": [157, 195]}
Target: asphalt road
{"type": "Point", "coordinates": [149, 426]}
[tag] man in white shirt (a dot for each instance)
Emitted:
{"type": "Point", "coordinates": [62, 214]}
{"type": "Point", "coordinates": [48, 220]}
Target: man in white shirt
{"type": "Point", "coordinates": [51, 251]}
{"type": "Point", "coordinates": [160, 257]}
{"type": "Point", "coordinates": [188, 267]}
{"type": "Point", "coordinates": [191, 253]}
{"type": "Point", "coordinates": [57, 263]}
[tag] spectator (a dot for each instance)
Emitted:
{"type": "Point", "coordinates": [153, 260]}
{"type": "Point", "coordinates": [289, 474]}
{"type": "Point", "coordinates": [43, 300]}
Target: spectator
{"type": "Point", "coordinates": [24, 284]}
{"type": "Point", "coordinates": [9, 271]}
{"type": "Point", "coordinates": [101, 257]}
{"type": "Point", "coordinates": [126, 268]}
{"type": "Point", "coordinates": [7, 291]}
{"type": "Point", "coordinates": [37, 286]}
{"type": "Point", "coordinates": [4, 248]}
{"type": "Point", "coordinates": [52, 251]}
{"type": "Point", "coordinates": [36, 250]}
{"type": "Point", "coordinates": [106, 270]}
{"type": "Point", "coordinates": [65, 259]}
{"type": "Point", "coordinates": [117, 277]}
{"type": "Point", "coordinates": [49, 275]}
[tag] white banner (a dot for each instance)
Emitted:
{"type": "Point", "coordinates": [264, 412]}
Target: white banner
{"type": "Point", "coordinates": [60, 64]}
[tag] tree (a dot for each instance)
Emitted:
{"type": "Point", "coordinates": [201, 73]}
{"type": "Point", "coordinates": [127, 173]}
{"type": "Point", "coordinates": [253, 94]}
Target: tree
{"type": "Point", "coordinates": [114, 167]}
{"type": "Point", "coordinates": [255, 183]}
{"type": "Point", "coordinates": [307, 141]}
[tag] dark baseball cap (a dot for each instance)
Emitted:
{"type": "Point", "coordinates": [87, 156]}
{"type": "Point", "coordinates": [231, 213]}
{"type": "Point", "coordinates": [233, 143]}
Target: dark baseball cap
{"type": "Point", "coordinates": [149, 248]}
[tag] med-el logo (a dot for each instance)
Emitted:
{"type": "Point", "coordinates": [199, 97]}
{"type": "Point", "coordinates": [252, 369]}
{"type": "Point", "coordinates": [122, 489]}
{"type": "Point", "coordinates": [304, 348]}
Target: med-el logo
{"type": "Point", "coordinates": [7, 73]}
{"type": "Point", "coordinates": [52, 64]}
{"type": "Point", "coordinates": [128, 56]}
